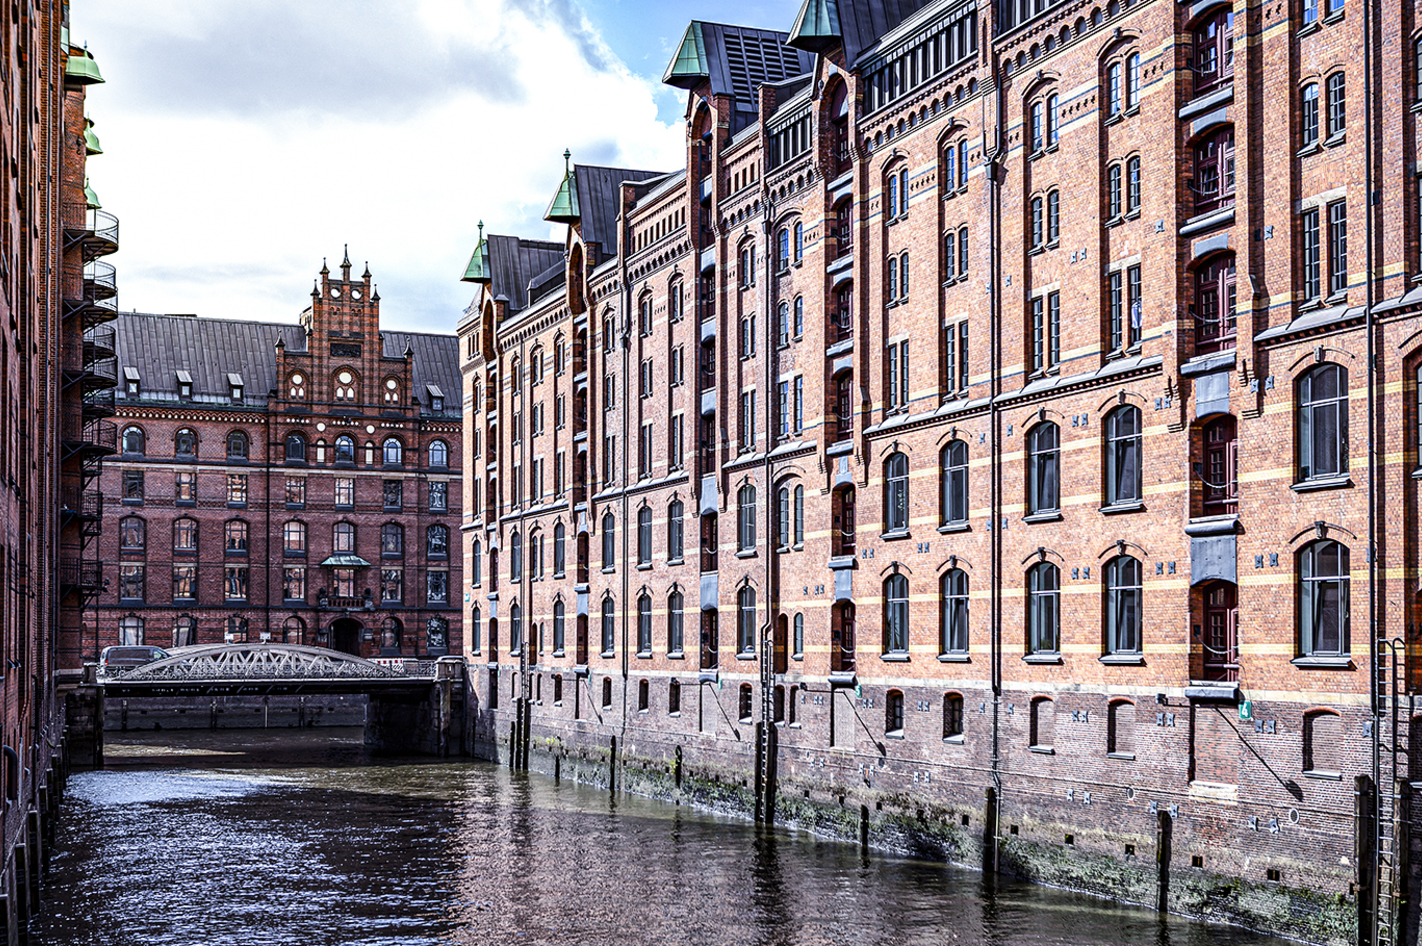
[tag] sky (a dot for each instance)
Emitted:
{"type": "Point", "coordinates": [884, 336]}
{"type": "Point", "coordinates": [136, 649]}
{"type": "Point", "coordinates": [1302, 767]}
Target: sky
{"type": "Point", "coordinates": [247, 140]}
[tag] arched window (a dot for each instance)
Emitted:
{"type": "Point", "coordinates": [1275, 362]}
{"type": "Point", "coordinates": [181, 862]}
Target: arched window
{"type": "Point", "coordinates": [676, 615]}
{"type": "Point", "coordinates": [782, 248]}
{"type": "Point", "coordinates": [674, 698]}
{"type": "Point", "coordinates": [293, 539]}
{"type": "Point", "coordinates": [185, 444]}
{"type": "Point", "coordinates": [1114, 90]}
{"type": "Point", "coordinates": [1123, 456]}
{"type": "Point", "coordinates": [1214, 171]}
{"type": "Point", "coordinates": [296, 447]}
{"type": "Point", "coordinates": [560, 639]}
{"type": "Point", "coordinates": [1043, 460]}
{"type": "Point", "coordinates": [392, 540]}
{"type": "Point", "coordinates": [133, 534]}
{"type": "Point", "coordinates": [644, 536]}
{"type": "Point", "coordinates": [676, 530]}
{"type": "Point", "coordinates": [560, 549]}
{"type": "Point", "coordinates": [392, 634]}
{"type": "Point", "coordinates": [609, 544]}
{"type": "Point", "coordinates": [476, 564]}
{"type": "Point", "coordinates": [609, 628]}
{"type": "Point", "coordinates": [1214, 50]}
{"type": "Point", "coordinates": [953, 633]}
{"type": "Point", "coordinates": [896, 493]}
{"type": "Point", "coordinates": [894, 714]}
{"type": "Point", "coordinates": [439, 454]}
{"type": "Point", "coordinates": [237, 627]}
{"type": "Point", "coordinates": [296, 386]}
{"type": "Point", "coordinates": [744, 703]}
{"type": "Point", "coordinates": [1308, 115]}
{"type": "Point", "coordinates": [131, 631]}
{"type": "Point", "coordinates": [1120, 729]}
{"type": "Point", "coordinates": [953, 716]}
{"type": "Point", "coordinates": [797, 644]}
{"type": "Point", "coordinates": [185, 631]}
{"type": "Point", "coordinates": [437, 541]}
{"type": "Point", "coordinates": [799, 535]}
{"type": "Point", "coordinates": [345, 449]}
{"type": "Point", "coordinates": [1323, 599]}
{"type": "Point", "coordinates": [394, 452]}
{"type": "Point", "coordinates": [1043, 609]}
{"type": "Point", "coordinates": [745, 621]}
{"type": "Point", "coordinates": [1043, 722]}
{"type": "Point", "coordinates": [797, 325]}
{"type": "Point", "coordinates": [1323, 422]}
{"type": "Point", "coordinates": [236, 532]}
{"type": "Point", "coordinates": [237, 445]}
{"type": "Point", "coordinates": [799, 241]}
{"type": "Point", "coordinates": [953, 461]}
{"type": "Point", "coordinates": [133, 440]}
{"type": "Point", "coordinates": [1214, 305]}
{"type": "Point", "coordinates": [843, 528]}
{"type": "Point", "coordinates": [1123, 605]}
{"type": "Point", "coordinates": [896, 615]}
{"type": "Point", "coordinates": [782, 324]}
{"type": "Point", "coordinates": [515, 629]}
{"type": "Point", "coordinates": [1053, 132]}
{"type": "Point", "coordinates": [476, 644]}
{"type": "Point", "coordinates": [516, 556]}
{"type": "Point", "coordinates": [782, 518]}
{"type": "Point", "coordinates": [745, 518]}
{"type": "Point", "coordinates": [644, 625]}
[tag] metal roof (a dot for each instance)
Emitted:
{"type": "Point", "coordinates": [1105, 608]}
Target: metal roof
{"type": "Point", "coordinates": [863, 22]}
{"type": "Point", "coordinates": [168, 349]}
{"type": "Point", "coordinates": [513, 263]}
{"type": "Point", "coordinates": [735, 59]}
{"type": "Point", "coordinates": [599, 199]}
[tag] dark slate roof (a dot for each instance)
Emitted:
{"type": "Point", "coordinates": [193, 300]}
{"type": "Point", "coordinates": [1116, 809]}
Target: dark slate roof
{"type": "Point", "coordinates": [598, 200]}
{"type": "Point", "coordinates": [209, 350]}
{"type": "Point", "coordinates": [863, 22]}
{"type": "Point", "coordinates": [737, 59]}
{"type": "Point", "coordinates": [515, 262]}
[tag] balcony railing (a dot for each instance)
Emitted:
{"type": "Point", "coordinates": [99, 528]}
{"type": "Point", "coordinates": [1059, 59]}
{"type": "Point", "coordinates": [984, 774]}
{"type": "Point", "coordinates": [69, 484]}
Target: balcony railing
{"type": "Point", "coordinates": [100, 280]}
{"type": "Point", "coordinates": [76, 573]}
{"type": "Point", "coordinates": [95, 232]}
{"type": "Point", "coordinates": [83, 503]}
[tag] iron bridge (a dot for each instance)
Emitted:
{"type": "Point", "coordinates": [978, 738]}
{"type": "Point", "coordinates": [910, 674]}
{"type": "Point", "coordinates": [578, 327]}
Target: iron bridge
{"type": "Point", "coordinates": [244, 669]}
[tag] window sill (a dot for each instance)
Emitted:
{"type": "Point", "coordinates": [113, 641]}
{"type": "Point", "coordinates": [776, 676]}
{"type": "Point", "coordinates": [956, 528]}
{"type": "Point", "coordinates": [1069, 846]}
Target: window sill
{"type": "Point", "coordinates": [180, 502]}
{"type": "Point", "coordinates": [676, 655]}
{"type": "Point", "coordinates": [607, 655]}
{"type": "Point", "coordinates": [1037, 250]}
{"type": "Point", "coordinates": [558, 653]}
{"type": "Point", "coordinates": [1043, 750]}
{"type": "Point", "coordinates": [1117, 508]}
{"type": "Point", "coordinates": [1115, 119]}
{"type": "Point", "coordinates": [894, 658]}
{"type": "Point", "coordinates": [895, 535]}
{"type": "Point", "coordinates": [1123, 660]}
{"type": "Point", "coordinates": [1331, 482]}
{"type": "Point", "coordinates": [139, 502]}
{"type": "Point", "coordinates": [1324, 776]}
{"type": "Point", "coordinates": [1313, 147]}
{"type": "Point", "coordinates": [746, 656]}
{"type": "Point", "coordinates": [950, 527]}
{"type": "Point", "coordinates": [1334, 141]}
{"type": "Point", "coordinates": [236, 505]}
{"type": "Point", "coordinates": [644, 566]}
{"type": "Point", "coordinates": [1123, 756]}
{"type": "Point", "coordinates": [643, 655]}
{"type": "Point", "coordinates": [954, 658]}
{"type": "Point", "coordinates": [1337, 298]}
{"type": "Point", "coordinates": [1054, 515]}
{"type": "Point", "coordinates": [1335, 16]}
{"type": "Point", "coordinates": [1133, 214]}
{"type": "Point", "coordinates": [1338, 662]}
{"type": "Point", "coordinates": [1042, 659]}
{"type": "Point", "coordinates": [746, 553]}
{"type": "Point", "coordinates": [610, 570]}
{"type": "Point", "coordinates": [895, 734]}
{"type": "Point", "coordinates": [670, 561]}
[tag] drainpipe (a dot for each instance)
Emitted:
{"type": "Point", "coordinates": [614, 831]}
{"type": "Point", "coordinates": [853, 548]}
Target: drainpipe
{"type": "Point", "coordinates": [624, 240]}
{"type": "Point", "coordinates": [771, 544]}
{"type": "Point", "coordinates": [992, 168]}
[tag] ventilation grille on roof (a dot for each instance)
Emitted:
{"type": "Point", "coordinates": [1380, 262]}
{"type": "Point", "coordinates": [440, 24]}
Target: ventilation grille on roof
{"type": "Point", "coordinates": [751, 60]}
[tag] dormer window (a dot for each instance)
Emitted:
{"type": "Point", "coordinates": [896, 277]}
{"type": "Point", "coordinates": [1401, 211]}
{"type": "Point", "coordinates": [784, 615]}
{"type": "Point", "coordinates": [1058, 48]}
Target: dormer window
{"type": "Point", "coordinates": [133, 385]}
{"type": "Point", "coordinates": [234, 386]}
{"type": "Point", "coordinates": [436, 398]}
{"type": "Point", "coordinates": [185, 385]}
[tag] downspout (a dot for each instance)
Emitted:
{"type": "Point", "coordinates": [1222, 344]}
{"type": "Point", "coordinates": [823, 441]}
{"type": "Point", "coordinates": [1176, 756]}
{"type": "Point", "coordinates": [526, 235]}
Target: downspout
{"type": "Point", "coordinates": [623, 241]}
{"type": "Point", "coordinates": [267, 532]}
{"type": "Point", "coordinates": [991, 167]}
{"type": "Point", "coordinates": [772, 571]}
{"type": "Point", "coordinates": [1370, 224]}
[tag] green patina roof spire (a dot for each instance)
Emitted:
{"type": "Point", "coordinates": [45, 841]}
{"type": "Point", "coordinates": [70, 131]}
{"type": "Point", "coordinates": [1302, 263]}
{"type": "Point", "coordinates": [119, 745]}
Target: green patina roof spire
{"type": "Point", "coordinates": [816, 27]}
{"type": "Point", "coordinates": [478, 269]}
{"type": "Point", "coordinates": [690, 65]}
{"type": "Point", "coordinates": [564, 208]}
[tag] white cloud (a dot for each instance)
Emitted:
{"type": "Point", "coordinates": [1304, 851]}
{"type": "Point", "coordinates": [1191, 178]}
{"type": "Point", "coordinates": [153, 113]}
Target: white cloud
{"type": "Point", "coordinates": [244, 142]}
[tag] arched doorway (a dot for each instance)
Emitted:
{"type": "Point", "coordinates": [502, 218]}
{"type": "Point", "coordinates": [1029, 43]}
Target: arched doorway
{"type": "Point", "coordinates": [345, 636]}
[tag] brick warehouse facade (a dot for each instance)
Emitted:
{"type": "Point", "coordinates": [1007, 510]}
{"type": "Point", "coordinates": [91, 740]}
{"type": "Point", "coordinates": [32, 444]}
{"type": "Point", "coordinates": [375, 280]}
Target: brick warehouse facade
{"type": "Point", "coordinates": [56, 378]}
{"type": "Point", "coordinates": [974, 449]}
{"type": "Point", "coordinates": [287, 482]}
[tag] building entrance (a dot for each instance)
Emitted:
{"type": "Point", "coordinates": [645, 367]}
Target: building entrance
{"type": "Point", "coordinates": [345, 636]}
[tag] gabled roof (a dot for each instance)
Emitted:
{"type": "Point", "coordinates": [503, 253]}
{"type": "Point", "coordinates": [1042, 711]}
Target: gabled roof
{"type": "Point", "coordinates": [435, 365]}
{"type": "Point", "coordinates": [735, 59]}
{"type": "Point", "coordinates": [863, 22]}
{"type": "Point", "coordinates": [513, 262]}
{"type": "Point", "coordinates": [599, 194]}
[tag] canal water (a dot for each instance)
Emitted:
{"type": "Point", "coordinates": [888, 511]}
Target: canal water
{"type": "Point", "coordinates": [299, 837]}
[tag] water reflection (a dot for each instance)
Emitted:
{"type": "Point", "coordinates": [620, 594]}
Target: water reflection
{"type": "Point", "coordinates": [256, 838]}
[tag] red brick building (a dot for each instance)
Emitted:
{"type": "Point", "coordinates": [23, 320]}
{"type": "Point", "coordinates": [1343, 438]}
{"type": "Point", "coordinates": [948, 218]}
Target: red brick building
{"type": "Point", "coordinates": [295, 482]}
{"type": "Point", "coordinates": [981, 440]}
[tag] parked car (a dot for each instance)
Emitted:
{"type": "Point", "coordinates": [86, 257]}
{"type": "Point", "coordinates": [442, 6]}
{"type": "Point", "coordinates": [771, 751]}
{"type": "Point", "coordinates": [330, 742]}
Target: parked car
{"type": "Point", "coordinates": [124, 657]}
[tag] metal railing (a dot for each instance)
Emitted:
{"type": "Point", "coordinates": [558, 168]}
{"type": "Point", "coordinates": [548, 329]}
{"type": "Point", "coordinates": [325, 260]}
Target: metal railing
{"type": "Point", "coordinates": [75, 572]}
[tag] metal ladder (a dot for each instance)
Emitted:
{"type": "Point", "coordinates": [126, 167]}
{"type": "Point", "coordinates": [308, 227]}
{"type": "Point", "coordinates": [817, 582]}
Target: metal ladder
{"type": "Point", "coordinates": [766, 748]}
{"type": "Point", "coordinates": [1388, 744]}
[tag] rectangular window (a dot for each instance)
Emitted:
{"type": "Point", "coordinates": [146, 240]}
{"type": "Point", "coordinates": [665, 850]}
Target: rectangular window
{"type": "Point", "coordinates": [1337, 104]}
{"type": "Point", "coordinates": [558, 473]}
{"type": "Point", "coordinates": [558, 412]}
{"type": "Point", "coordinates": [131, 577]}
{"type": "Point", "coordinates": [782, 406]}
{"type": "Point", "coordinates": [295, 492]}
{"type": "Point", "coordinates": [392, 585]}
{"type": "Point", "coordinates": [748, 336]}
{"type": "Point", "coordinates": [798, 415]}
{"type": "Point", "coordinates": [393, 492]}
{"type": "Point", "coordinates": [235, 582]}
{"type": "Point", "coordinates": [345, 492]}
{"type": "Point", "coordinates": [747, 420]}
{"type": "Point", "coordinates": [439, 497]}
{"type": "Point", "coordinates": [133, 486]}
{"type": "Point", "coordinates": [236, 489]}
{"type": "Point", "coordinates": [647, 377]}
{"type": "Point", "coordinates": [436, 587]}
{"type": "Point", "coordinates": [184, 583]}
{"type": "Point", "coordinates": [898, 375]}
{"type": "Point", "coordinates": [185, 489]}
{"type": "Point", "coordinates": [1337, 247]}
{"type": "Point", "coordinates": [293, 583]}
{"type": "Point", "coordinates": [676, 445]}
{"type": "Point", "coordinates": [1046, 332]}
{"type": "Point", "coordinates": [644, 452]}
{"type": "Point", "coordinates": [1311, 262]}
{"type": "Point", "coordinates": [609, 451]}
